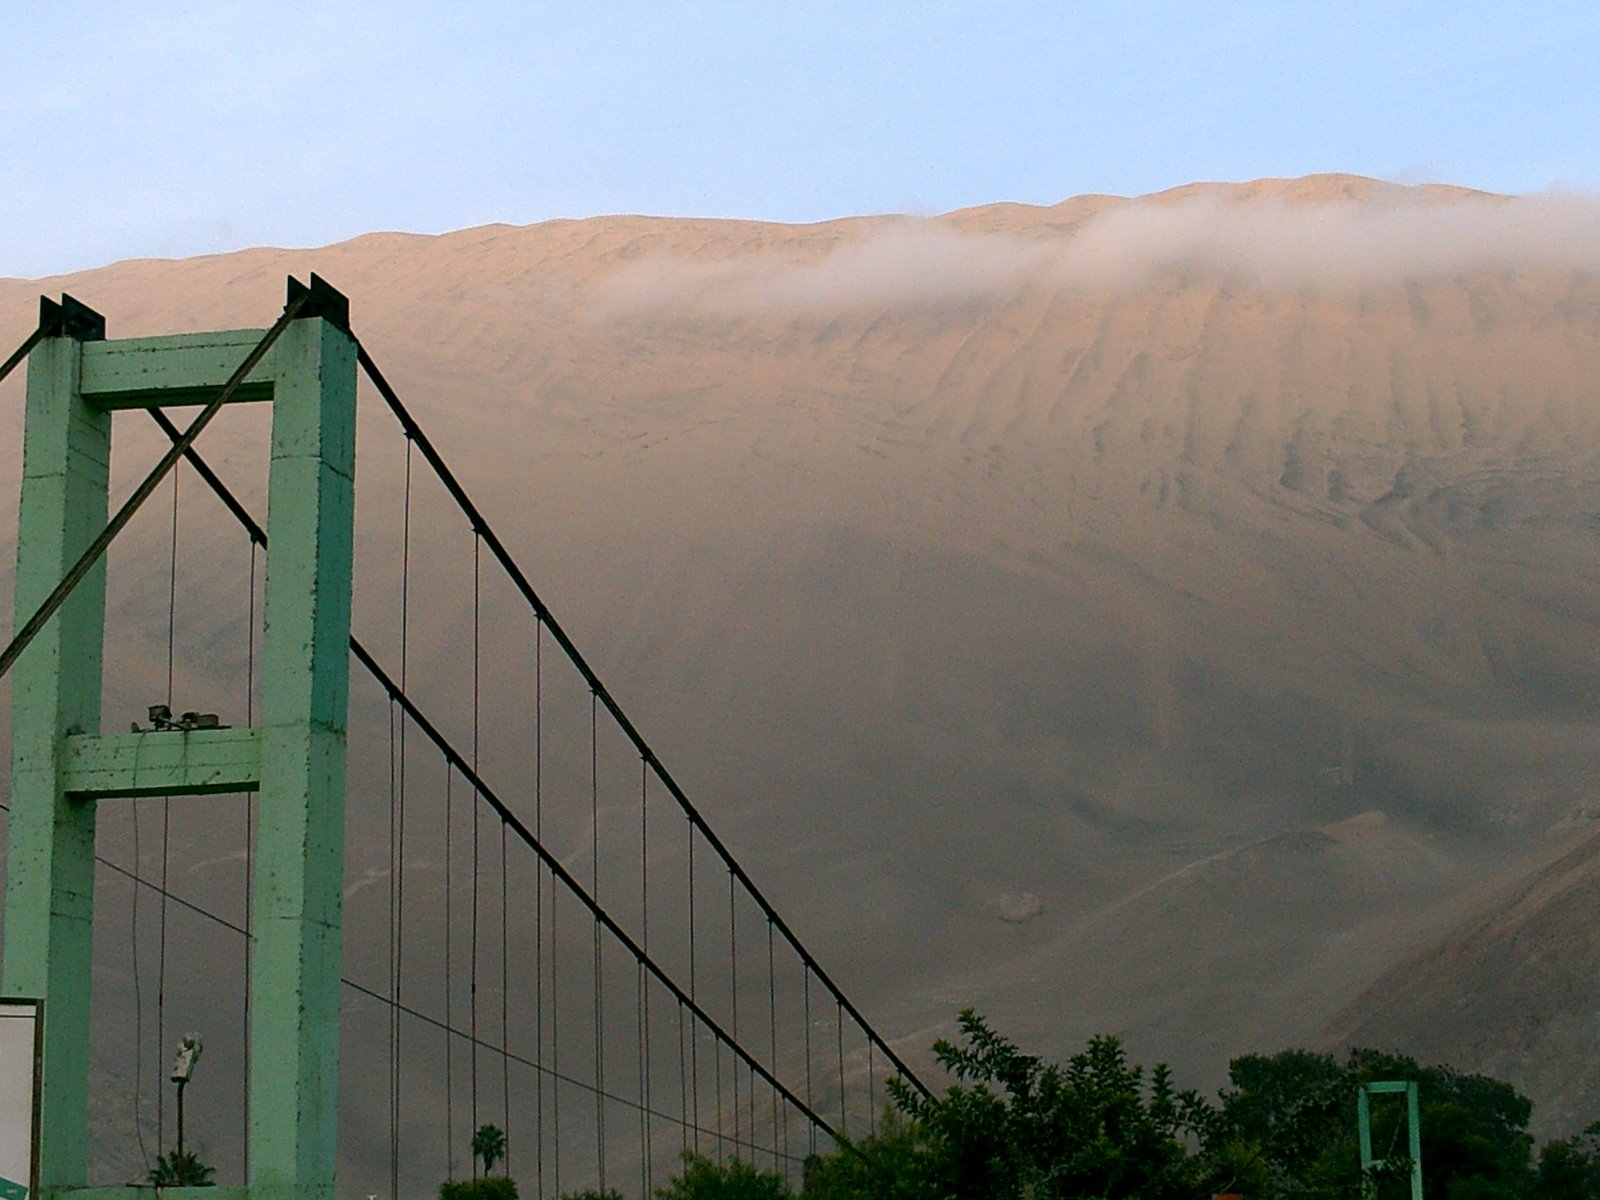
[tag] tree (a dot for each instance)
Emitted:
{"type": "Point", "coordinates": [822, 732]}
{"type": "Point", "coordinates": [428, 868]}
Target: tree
{"type": "Point", "coordinates": [180, 1169]}
{"type": "Point", "coordinates": [1569, 1168]}
{"type": "Point", "coordinates": [488, 1187]}
{"type": "Point", "coordinates": [1015, 1127]}
{"type": "Point", "coordinates": [895, 1163]}
{"type": "Point", "coordinates": [735, 1179]}
{"type": "Point", "coordinates": [489, 1144]}
{"type": "Point", "coordinates": [1027, 1128]}
{"type": "Point", "coordinates": [1290, 1119]}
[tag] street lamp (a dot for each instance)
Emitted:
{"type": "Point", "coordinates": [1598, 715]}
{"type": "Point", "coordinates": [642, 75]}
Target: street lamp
{"type": "Point", "coordinates": [182, 1068]}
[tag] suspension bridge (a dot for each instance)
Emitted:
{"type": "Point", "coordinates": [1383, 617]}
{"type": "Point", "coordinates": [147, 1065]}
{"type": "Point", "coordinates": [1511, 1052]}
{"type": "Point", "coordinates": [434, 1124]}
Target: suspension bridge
{"type": "Point", "coordinates": [554, 940]}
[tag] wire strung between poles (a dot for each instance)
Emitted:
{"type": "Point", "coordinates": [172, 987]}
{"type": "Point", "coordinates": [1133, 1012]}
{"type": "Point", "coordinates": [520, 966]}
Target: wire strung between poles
{"type": "Point", "coordinates": [138, 881]}
{"type": "Point", "coordinates": [181, 447]}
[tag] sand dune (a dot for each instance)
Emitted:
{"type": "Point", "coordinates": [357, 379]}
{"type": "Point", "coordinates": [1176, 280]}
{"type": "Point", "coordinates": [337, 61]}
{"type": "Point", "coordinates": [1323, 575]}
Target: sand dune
{"type": "Point", "coordinates": [1157, 616]}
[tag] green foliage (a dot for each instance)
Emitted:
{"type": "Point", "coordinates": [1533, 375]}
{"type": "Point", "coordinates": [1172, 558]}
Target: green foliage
{"type": "Point", "coordinates": [897, 1163]}
{"type": "Point", "coordinates": [735, 1179]}
{"type": "Point", "coordinates": [1015, 1127]}
{"type": "Point", "coordinates": [485, 1187]}
{"type": "Point", "coordinates": [489, 1144]}
{"type": "Point", "coordinates": [1292, 1118]}
{"type": "Point", "coordinates": [1027, 1128]}
{"type": "Point", "coordinates": [592, 1194]}
{"type": "Point", "coordinates": [180, 1169]}
{"type": "Point", "coordinates": [1569, 1168]}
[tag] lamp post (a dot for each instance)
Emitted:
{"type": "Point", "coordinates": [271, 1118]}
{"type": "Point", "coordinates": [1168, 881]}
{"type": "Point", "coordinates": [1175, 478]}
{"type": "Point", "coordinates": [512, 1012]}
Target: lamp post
{"type": "Point", "coordinates": [182, 1068]}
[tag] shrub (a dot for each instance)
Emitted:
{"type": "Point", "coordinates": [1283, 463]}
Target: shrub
{"type": "Point", "coordinates": [485, 1187]}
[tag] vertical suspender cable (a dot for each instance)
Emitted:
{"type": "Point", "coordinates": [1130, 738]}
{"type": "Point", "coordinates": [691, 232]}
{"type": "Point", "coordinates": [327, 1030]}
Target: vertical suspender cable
{"type": "Point", "coordinates": [644, 1085]}
{"type": "Point", "coordinates": [399, 874]}
{"type": "Point", "coordinates": [449, 983]}
{"type": "Point", "coordinates": [477, 546]}
{"type": "Point", "coordinates": [138, 997]}
{"type": "Point", "coordinates": [394, 1007]}
{"type": "Point", "coordinates": [594, 890]}
{"type": "Point", "coordinates": [872, 1100]}
{"type": "Point", "coordinates": [538, 893]}
{"type": "Point", "coordinates": [683, 1081]}
{"type": "Point", "coordinates": [645, 1091]}
{"type": "Point", "coordinates": [249, 850]}
{"type": "Point", "coordinates": [772, 1035]}
{"type": "Point", "coordinates": [694, 1025]}
{"type": "Point", "coordinates": [166, 825]}
{"type": "Point", "coordinates": [555, 1045]}
{"type": "Point", "coordinates": [810, 1103]}
{"type": "Point", "coordinates": [716, 1059]}
{"type": "Point", "coordinates": [733, 981]}
{"type": "Point", "coordinates": [505, 1000]}
{"type": "Point", "coordinates": [843, 1116]}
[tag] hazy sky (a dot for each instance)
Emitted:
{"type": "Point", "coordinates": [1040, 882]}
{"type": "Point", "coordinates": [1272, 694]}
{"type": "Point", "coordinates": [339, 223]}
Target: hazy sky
{"type": "Point", "coordinates": [161, 128]}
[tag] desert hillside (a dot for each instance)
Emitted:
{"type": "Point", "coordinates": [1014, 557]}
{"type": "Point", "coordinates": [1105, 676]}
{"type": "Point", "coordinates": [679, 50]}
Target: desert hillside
{"type": "Point", "coordinates": [1158, 616]}
{"type": "Point", "coordinates": [1509, 990]}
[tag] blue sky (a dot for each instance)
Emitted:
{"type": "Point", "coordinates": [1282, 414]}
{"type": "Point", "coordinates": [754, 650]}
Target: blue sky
{"type": "Point", "coordinates": [168, 129]}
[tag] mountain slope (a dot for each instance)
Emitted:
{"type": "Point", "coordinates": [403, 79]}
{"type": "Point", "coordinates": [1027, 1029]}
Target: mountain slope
{"type": "Point", "coordinates": [1509, 991]}
{"type": "Point", "coordinates": [1153, 615]}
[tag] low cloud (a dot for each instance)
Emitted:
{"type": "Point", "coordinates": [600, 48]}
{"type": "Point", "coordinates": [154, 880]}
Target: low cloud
{"type": "Point", "coordinates": [906, 262]}
{"type": "Point", "coordinates": [1262, 242]}
{"type": "Point", "coordinates": [1345, 244]}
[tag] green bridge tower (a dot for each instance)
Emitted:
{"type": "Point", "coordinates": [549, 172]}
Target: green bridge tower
{"type": "Point", "coordinates": [63, 765]}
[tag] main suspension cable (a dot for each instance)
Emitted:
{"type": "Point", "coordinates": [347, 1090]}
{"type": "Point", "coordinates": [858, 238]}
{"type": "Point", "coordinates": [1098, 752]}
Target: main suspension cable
{"type": "Point", "coordinates": [556, 868]}
{"type": "Point", "coordinates": [67, 319]}
{"type": "Point", "coordinates": [519, 579]}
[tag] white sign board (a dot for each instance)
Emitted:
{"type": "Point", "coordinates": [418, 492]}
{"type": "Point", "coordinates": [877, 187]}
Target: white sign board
{"type": "Point", "coordinates": [19, 1025]}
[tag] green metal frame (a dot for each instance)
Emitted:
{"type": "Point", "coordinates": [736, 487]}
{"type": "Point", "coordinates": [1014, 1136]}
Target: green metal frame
{"type": "Point", "coordinates": [1364, 1093]}
{"type": "Point", "coordinates": [63, 766]}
